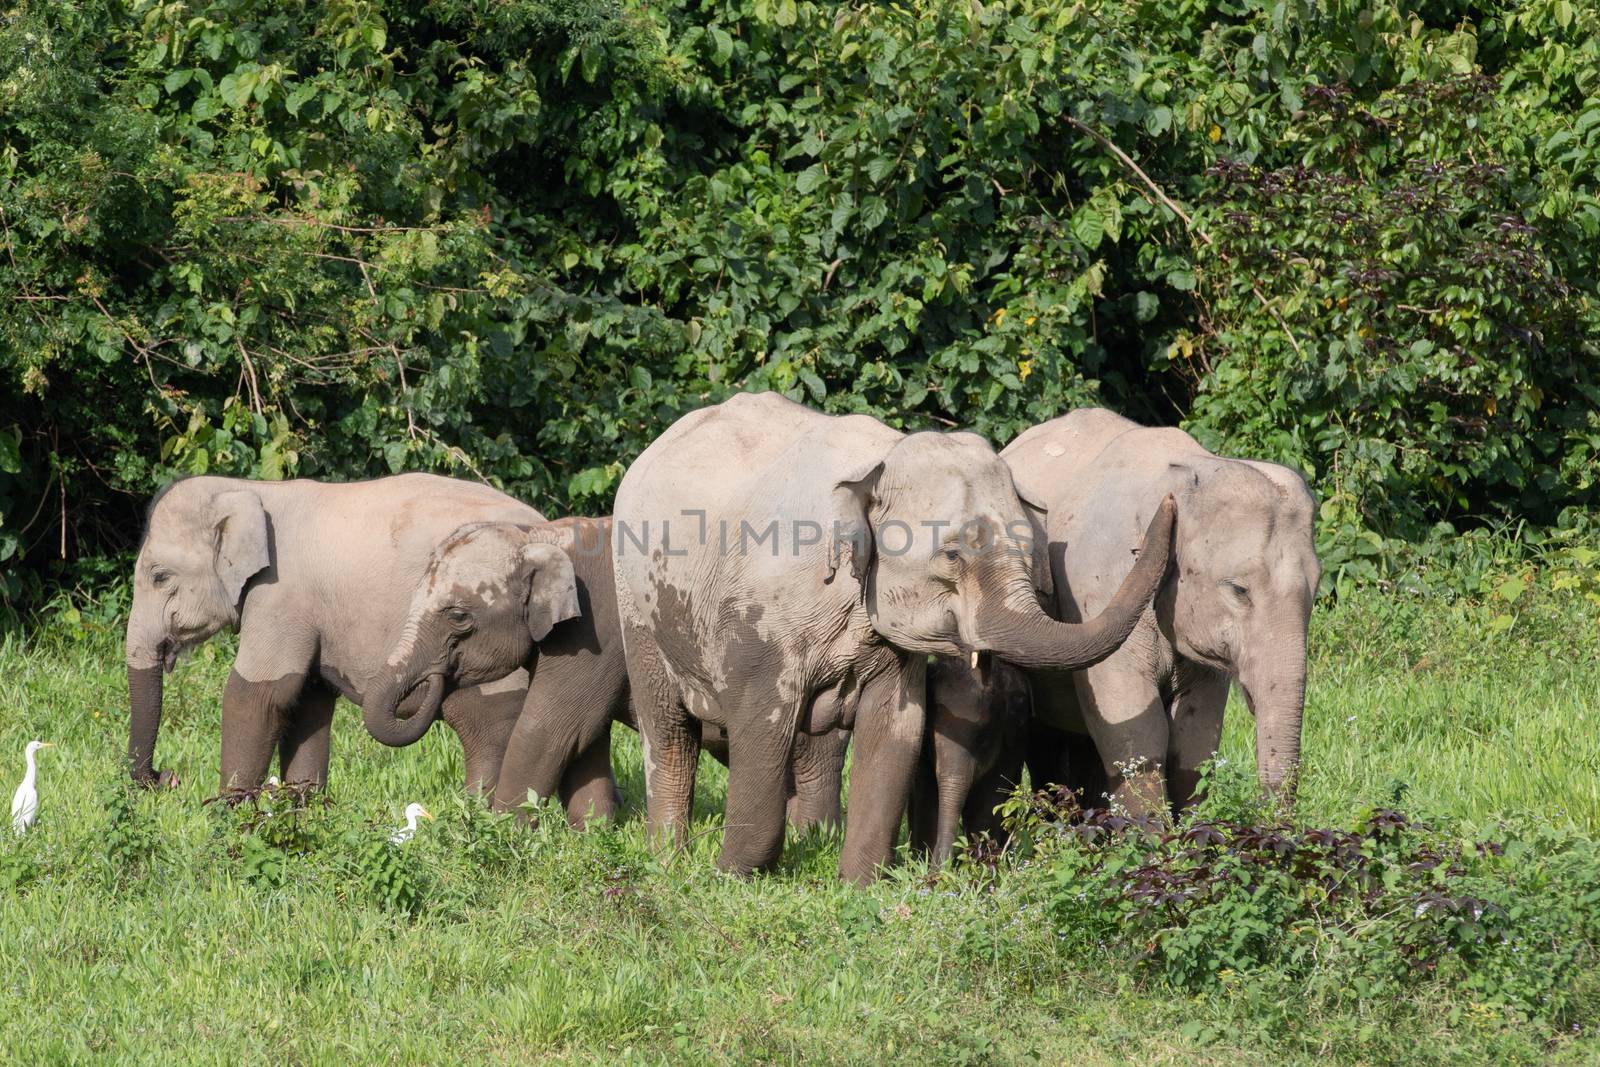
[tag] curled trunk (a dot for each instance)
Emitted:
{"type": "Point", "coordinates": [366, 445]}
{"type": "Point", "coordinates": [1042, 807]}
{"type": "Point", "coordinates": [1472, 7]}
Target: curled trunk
{"type": "Point", "coordinates": [1013, 626]}
{"type": "Point", "coordinates": [381, 712]}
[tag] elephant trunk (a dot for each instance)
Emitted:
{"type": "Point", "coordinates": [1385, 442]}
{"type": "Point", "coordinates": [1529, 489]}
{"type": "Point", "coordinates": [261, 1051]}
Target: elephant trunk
{"type": "Point", "coordinates": [149, 651]}
{"type": "Point", "coordinates": [1276, 695]}
{"type": "Point", "coordinates": [888, 741]}
{"type": "Point", "coordinates": [383, 722]}
{"type": "Point", "coordinates": [1012, 625]}
{"type": "Point", "coordinates": [954, 785]}
{"type": "Point", "coordinates": [144, 721]}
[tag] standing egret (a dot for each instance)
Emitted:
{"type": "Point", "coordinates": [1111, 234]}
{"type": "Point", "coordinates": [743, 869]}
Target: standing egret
{"type": "Point", "coordinates": [25, 802]}
{"type": "Point", "coordinates": [405, 833]}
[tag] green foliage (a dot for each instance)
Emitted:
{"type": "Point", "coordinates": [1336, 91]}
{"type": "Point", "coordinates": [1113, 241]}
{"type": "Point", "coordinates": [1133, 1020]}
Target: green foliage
{"type": "Point", "coordinates": [130, 844]}
{"type": "Point", "coordinates": [272, 829]}
{"type": "Point", "coordinates": [19, 866]}
{"type": "Point", "coordinates": [514, 240]}
{"type": "Point", "coordinates": [1373, 912]}
{"type": "Point", "coordinates": [385, 876]}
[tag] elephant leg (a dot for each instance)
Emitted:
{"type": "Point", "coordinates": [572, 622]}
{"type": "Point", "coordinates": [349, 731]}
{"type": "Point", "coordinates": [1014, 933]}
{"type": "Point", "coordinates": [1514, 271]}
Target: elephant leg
{"type": "Point", "coordinates": [759, 752]}
{"type": "Point", "coordinates": [922, 807]}
{"type": "Point", "coordinates": [1195, 733]}
{"type": "Point", "coordinates": [588, 789]}
{"type": "Point", "coordinates": [995, 786]}
{"type": "Point", "coordinates": [254, 716]}
{"type": "Point", "coordinates": [263, 692]}
{"type": "Point", "coordinates": [560, 745]}
{"type": "Point", "coordinates": [714, 742]}
{"type": "Point", "coordinates": [817, 771]}
{"type": "Point", "coordinates": [1058, 749]}
{"type": "Point", "coordinates": [1127, 720]}
{"type": "Point", "coordinates": [888, 739]}
{"type": "Point", "coordinates": [670, 738]}
{"type": "Point", "coordinates": [989, 792]}
{"type": "Point", "coordinates": [304, 747]}
{"type": "Point", "coordinates": [483, 717]}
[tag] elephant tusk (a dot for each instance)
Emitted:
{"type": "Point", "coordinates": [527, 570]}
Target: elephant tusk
{"type": "Point", "coordinates": [973, 660]}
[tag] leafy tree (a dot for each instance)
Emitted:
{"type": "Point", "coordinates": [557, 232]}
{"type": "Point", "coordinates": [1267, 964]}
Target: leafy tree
{"type": "Point", "coordinates": [513, 240]}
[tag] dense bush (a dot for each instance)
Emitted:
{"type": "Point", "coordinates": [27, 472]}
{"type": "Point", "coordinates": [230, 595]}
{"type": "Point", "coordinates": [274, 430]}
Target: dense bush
{"type": "Point", "coordinates": [512, 240]}
{"type": "Point", "coordinates": [1236, 896]}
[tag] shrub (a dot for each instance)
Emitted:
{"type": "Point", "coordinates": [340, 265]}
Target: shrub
{"type": "Point", "coordinates": [1376, 911]}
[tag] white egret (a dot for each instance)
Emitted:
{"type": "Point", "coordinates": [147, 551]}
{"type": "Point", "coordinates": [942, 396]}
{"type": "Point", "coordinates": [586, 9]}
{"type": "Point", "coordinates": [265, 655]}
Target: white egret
{"type": "Point", "coordinates": [25, 802]}
{"type": "Point", "coordinates": [405, 833]}
{"type": "Point", "coordinates": [272, 781]}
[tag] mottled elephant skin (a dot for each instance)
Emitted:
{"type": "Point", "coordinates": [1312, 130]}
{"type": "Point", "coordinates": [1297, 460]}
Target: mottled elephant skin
{"type": "Point", "coordinates": [317, 578]}
{"type": "Point", "coordinates": [472, 616]}
{"type": "Point", "coordinates": [780, 571]}
{"type": "Point", "coordinates": [1236, 606]}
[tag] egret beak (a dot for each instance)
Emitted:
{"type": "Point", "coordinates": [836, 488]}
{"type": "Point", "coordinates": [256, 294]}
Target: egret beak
{"type": "Point", "coordinates": [47, 744]}
{"type": "Point", "coordinates": [426, 814]}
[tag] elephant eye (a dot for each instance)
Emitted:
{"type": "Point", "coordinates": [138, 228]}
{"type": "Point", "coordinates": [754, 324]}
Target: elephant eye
{"type": "Point", "coordinates": [951, 555]}
{"type": "Point", "coordinates": [1239, 592]}
{"type": "Point", "coordinates": [458, 616]}
{"type": "Point", "coordinates": [159, 578]}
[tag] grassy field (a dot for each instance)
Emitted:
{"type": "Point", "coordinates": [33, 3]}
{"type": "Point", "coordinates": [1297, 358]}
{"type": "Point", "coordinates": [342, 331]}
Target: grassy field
{"type": "Point", "coordinates": [167, 930]}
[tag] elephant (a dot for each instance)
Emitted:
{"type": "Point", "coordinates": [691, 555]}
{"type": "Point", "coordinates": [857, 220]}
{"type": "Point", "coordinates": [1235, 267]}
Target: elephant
{"type": "Point", "coordinates": [782, 571]}
{"type": "Point", "coordinates": [972, 756]}
{"type": "Point", "coordinates": [470, 618]}
{"type": "Point", "coordinates": [481, 609]}
{"type": "Point", "coordinates": [1237, 605]}
{"type": "Point", "coordinates": [316, 578]}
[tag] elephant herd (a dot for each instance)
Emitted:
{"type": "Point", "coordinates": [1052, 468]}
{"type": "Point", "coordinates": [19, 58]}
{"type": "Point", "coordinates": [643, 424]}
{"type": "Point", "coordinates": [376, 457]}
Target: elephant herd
{"type": "Point", "coordinates": [774, 584]}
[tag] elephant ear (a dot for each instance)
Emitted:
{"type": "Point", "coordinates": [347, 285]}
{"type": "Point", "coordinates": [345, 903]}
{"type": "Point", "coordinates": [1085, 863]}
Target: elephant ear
{"type": "Point", "coordinates": [239, 531]}
{"type": "Point", "coordinates": [1043, 580]}
{"type": "Point", "coordinates": [851, 536]}
{"type": "Point", "coordinates": [552, 587]}
{"type": "Point", "coordinates": [1039, 519]}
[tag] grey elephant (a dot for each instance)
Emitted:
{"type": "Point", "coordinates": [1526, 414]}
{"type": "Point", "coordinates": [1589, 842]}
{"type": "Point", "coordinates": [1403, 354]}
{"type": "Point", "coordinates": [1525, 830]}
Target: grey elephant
{"type": "Point", "coordinates": [317, 578]}
{"type": "Point", "coordinates": [1137, 726]}
{"type": "Point", "coordinates": [781, 571]}
{"type": "Point", "coordinates": [1236, 606]}
{"type": "Point", "coordinates": [478, 612]}
{"type": "Point", "coordinates": [470, 618]}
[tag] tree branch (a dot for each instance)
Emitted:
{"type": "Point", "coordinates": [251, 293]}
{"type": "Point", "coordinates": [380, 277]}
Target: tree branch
{"type": "Point", "coordinates": [1171, 205]}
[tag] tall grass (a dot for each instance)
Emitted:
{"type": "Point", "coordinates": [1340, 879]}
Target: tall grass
{"type": "Point", "coordinates": [541, 945]}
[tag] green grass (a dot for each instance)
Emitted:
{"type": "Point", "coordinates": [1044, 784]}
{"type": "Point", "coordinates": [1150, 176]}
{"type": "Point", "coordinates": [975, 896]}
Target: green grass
{"type": "Point", "coordinates": [545, 946]}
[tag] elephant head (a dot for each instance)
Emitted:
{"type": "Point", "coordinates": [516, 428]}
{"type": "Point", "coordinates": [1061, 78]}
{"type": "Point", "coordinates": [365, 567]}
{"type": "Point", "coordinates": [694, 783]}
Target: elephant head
{"type": "Point", "coordinates": [951, 559]}
{"type": "Point", "coordinates": [491, 591]}
{"type": "Point", "coordinates": [204, 540]}
{"type": "Point", "coordinates": [1245, 575]}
